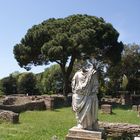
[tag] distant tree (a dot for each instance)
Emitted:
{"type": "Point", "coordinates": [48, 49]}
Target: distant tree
{"type": "Point", "coordinates": [9, 85]}
{"type": "Point", "coordinates": [15, 74]}
{"type": "Point", "coordinates": [52, 81]}
{"type": "Point", "coordinates": [39, 85]}
{"type": "Point", "coordinates": [65, 40]}
{"type": "Point", "coordinates": [129, 66]}
{"type": "Point", "coordinates": [1, 88]}
{"type": "Point", "coordinates": [27, 84]}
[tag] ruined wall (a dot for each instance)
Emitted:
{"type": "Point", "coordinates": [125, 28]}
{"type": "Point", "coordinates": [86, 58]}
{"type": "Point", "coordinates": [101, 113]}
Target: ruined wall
{"type": "Point", "coordinates": [120, 129]}
{"type": "Point", "coordinates": [34, 105]}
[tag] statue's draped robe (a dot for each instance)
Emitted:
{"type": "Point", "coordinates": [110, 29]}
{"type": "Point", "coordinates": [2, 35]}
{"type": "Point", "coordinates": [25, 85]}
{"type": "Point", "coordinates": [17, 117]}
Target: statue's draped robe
{"type": "Point", "coordinates": [85, 101]}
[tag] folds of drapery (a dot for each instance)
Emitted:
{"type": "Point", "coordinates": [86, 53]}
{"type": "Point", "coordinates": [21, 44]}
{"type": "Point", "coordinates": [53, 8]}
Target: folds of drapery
{"type": "Point", "coordinates": [84, 100]}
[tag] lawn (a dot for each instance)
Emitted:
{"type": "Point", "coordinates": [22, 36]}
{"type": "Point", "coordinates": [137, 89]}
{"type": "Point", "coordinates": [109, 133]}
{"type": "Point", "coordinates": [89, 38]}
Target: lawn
{"type": "Point", "coordinates": [43, 125]}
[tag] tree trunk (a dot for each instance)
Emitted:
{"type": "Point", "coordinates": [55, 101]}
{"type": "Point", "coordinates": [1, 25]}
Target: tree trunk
{"type": "Point", "coordinates": [65, 85]}
{"type": "Point", "coordinates": [66, 75]}
{"type": "Point", "coordinates": [65, 80]}
{"type": "Point", "coordinates": [65, 89]}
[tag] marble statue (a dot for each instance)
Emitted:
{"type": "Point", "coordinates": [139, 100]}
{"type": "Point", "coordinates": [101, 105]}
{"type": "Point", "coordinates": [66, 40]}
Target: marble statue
{"type": "Point", "coordinates": [84, 100]}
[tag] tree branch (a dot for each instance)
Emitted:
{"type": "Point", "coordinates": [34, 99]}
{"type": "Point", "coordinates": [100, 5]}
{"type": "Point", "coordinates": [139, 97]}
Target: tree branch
{"type": "Point", "coordinates": [58, 62]}
{"type": "Point", "coordinates": [70, 67]}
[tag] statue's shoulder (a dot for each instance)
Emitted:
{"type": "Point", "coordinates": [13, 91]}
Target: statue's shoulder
{"type": "Point", "coordinates": [77, 73]}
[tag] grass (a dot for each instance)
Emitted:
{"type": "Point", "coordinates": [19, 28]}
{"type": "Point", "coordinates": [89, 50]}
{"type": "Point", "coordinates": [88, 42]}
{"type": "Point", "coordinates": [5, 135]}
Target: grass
{"type": "Point", "coordinates": [121, 115]}
{"type": "Point", "coordinates": [43, 125]}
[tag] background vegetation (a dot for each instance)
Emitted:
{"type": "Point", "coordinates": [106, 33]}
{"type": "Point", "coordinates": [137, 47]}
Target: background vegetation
{"type": "Point", "coordinates": [68, 42]}
{"type": "Point", "coordinates": [65, 40]}
{"type": "Point", "coordinates": [51, 82]}
{"type": "Point", "coordinates": [43, 125]}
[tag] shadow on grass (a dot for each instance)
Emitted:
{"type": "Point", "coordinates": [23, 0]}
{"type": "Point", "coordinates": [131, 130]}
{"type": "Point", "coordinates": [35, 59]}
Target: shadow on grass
{"type": "Point", "coordinates": [57, 109]}
{"type": "Point", "coordinates": [113, 113]}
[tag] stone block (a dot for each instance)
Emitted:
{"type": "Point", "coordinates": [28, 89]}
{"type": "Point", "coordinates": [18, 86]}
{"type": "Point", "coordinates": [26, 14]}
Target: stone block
{"type": "Point", "coordinates": [135, 108]}
{"type": "Point", "coordinates": [81, 134]}
{"type": "Point", "coordinates": [106, 108]}
{"type": "Point", "coordinates": [49, 103]}
{"type": "Point", "coordinates": [138, 108]}
{"type": "Point", "coordinates": [120, 129]}
{"type": "Point", "coordinates": [9, 116]}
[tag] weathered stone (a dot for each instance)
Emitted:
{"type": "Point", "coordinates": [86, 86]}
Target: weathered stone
{"type": "Point", "coordinates": [16, 101]}
{"type": "Point", "coordinates": [106, 108]}
{"type": "Point", "coordinates": [81, 134]}
{"type": "Point", "coordinates": [119, 129]}
{"type": "Point", "coordinates": [9, 116]}
{"type": "Point", "coordinates": [33, 105]}
{"type": "Point", "coordinates": [9, 100]}
{"type": "Point", "coordinates": [49, 103]}
{"type": "Point", "coordinates": [135, 108]}
{"type": "Point", "coordinates": [138, 108]}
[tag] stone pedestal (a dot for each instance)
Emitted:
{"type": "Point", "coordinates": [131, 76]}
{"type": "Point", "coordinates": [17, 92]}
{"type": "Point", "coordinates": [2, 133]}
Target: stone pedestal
{"type": "Point", "coordinates": [106, 108]}
{"type": "Point", "coordinates": [81, 134]}
{"type": "Point", "coordinates": [135, 108]}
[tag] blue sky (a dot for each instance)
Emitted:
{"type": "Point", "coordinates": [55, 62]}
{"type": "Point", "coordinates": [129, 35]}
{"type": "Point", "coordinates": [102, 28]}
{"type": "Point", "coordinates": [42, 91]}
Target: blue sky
{"type": "Point", "coordinates": [17, 16]}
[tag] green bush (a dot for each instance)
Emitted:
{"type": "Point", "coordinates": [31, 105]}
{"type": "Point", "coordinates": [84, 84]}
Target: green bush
{"type": "Point", "coordinates": [27, 84]}
{"type": "Point", "coordinates": [8, 85]}
{"type": "Point", "coordinates": [52, 81]}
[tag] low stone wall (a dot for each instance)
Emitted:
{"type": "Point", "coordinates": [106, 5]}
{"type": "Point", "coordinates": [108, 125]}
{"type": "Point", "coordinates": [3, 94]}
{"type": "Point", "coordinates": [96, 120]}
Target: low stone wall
{"type": "Point", "coordinates": [49, 103]}
{"type": "Point", "coordinates": [124, 98]}
{"type": "Point", "coordinates": [24, 103]}
{"type": "Point", "coordinates": [52, 101]}
{"type": "Point", "coordinates": [34, 105]}
{"type": "Point", "coordinates": [9, 116]}
{"type": "Point", "coordinates": [58, 101]}
{"type": "Point", "coordinates": [120, 129]}
{"type": "Point", "coordinates": [111, 101]}
{"type": "Point", "coordinates": [9, 100]}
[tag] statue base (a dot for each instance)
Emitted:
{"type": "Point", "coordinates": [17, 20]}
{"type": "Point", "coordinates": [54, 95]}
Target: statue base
{"type": "Point", "coordinates": [81, 134]}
